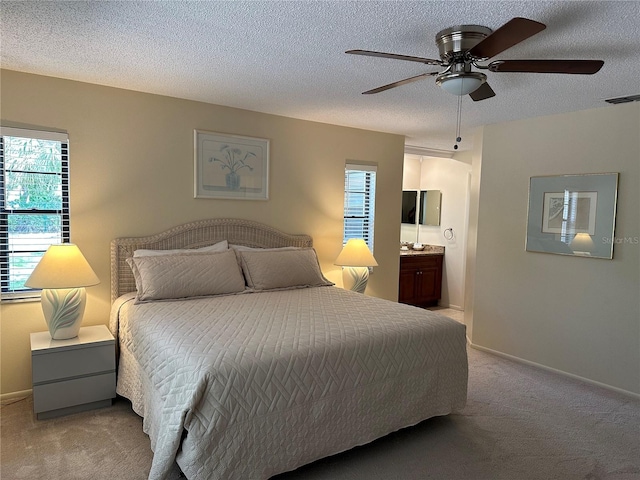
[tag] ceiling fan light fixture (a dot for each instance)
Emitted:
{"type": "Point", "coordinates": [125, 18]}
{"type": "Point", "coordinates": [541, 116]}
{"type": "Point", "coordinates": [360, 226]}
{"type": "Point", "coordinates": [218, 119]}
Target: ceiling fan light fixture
{"type": "Point", "coordinates": [462, 83]}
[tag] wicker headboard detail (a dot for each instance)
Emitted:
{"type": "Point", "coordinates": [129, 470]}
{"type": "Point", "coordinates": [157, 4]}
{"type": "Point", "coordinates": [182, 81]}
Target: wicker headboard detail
{"type": "Point", "coordinates": [195, 235]}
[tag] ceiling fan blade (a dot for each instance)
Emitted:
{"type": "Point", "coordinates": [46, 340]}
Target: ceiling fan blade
{"type": "Point", "coordinates": [398, 83]}
{"type": "Point", "coordinates": [511, 33]}
{"type": "Point", "coordinates": [577, 67]}
{"type": "Point", "coordinates": [482, 93]}
{"type": "Point", "coordinates": [368, 53]}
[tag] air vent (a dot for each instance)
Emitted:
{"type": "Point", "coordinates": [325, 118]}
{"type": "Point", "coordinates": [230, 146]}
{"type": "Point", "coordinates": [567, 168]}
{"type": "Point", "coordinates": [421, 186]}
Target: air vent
{"type": "Point", "coordinates": [628, 99]}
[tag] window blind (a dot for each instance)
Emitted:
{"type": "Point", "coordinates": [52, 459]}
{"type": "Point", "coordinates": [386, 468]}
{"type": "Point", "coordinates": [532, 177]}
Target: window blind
{"type": "Point", "coordinates": [34, 203]}
{"type": "Point", "coordinates": [359, 202]}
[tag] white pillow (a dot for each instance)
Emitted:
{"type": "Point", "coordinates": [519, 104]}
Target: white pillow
{"type": "Point", "coordinates": [186, 275]}
{"type": "Point", "coordinates": [269, 269]}
{"type": "Point", "coordinates": [217, 247]}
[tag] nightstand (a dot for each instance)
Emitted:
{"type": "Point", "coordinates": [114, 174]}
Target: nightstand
{"type": "Point", "coordinates": [73, 375]}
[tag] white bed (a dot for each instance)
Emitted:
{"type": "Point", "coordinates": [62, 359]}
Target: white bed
{"type": "Point", "coordinates": [246, 385]}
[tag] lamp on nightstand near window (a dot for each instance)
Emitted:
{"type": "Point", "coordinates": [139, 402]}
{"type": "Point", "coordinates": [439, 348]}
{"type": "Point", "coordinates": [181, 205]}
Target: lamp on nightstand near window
{"type": "Point", "coordinates": [62, 273]}
{"type": "Point", "coordinates": [355, 259]}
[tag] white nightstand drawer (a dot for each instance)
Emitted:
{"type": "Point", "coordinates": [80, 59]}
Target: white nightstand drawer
{"type": "Point", "coordinates": [57, 395]}
{"type": "Point", "coordinates": [75, 374]}
{"type": "Point", "coordinates": [73, 363]}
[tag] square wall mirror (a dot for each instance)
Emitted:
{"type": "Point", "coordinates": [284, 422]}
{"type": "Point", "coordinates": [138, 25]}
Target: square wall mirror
{"type": "Point", "coordinates": [409, 206]}
{"type": "Point", "coordinates": [430, 201]}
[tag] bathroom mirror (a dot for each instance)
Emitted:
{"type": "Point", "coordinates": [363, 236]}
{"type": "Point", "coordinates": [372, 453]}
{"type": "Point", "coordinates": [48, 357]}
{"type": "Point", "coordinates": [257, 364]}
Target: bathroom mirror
{"type": "Point", "coordinates": [430, 201]}
{"type": "Point", "coordinates": [409, 206]}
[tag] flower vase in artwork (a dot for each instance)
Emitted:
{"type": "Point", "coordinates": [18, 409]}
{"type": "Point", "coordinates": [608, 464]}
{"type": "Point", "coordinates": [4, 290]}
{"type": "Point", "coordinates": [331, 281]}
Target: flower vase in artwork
{"type": "Point", "coordinates": [233, 180]}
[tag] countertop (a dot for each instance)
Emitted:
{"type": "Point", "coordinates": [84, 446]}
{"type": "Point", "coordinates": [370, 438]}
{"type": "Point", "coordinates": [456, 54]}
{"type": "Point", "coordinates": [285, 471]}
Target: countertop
{"type": "Point", "coordinates": [428, 250]}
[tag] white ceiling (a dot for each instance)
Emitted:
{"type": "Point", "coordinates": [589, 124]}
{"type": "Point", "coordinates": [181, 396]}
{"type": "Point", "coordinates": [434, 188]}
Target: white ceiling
{"type": "Point", "coordinates": [287, 58]}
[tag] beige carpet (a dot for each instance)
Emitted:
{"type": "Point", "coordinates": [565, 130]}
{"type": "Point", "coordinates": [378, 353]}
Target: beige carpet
{"type": "Point", "coordinates": [520, 423]}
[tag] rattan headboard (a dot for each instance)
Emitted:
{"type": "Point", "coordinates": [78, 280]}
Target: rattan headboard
{"type": "Point", "coordinates": [195, 235]}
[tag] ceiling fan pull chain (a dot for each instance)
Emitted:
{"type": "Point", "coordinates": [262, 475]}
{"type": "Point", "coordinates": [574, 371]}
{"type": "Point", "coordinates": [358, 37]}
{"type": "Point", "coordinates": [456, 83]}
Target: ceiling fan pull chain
{"type": "Point", "coordinates": [458, 137]}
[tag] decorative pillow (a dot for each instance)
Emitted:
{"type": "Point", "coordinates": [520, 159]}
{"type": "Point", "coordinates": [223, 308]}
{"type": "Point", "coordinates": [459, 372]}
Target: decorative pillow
{"type": "Point", "coordinates": [269, 269]}
{"type": "Point", "coordinates": [186, 275]}
{"type": "Point", "coordinates": [217, 247]}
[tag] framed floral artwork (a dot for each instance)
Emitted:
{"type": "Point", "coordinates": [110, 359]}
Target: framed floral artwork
{"type": "Point", "coordinates": [230, 166]}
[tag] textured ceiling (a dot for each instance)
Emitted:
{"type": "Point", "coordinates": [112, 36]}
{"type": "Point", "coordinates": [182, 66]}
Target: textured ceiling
{"type": "Point", "coordinates": [287, 58]}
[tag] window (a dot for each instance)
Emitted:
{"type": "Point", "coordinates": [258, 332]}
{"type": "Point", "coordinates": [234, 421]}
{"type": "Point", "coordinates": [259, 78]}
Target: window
{"type": "Point", "coordinates": [34, 203]}
{"type": "Point", "coordinates": [359, 202]}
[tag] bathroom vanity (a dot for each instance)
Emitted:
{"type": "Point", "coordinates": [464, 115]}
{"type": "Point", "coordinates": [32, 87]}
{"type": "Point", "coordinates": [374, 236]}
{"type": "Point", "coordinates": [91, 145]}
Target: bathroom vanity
{"type": "Point", "coordinates": [421, 276]}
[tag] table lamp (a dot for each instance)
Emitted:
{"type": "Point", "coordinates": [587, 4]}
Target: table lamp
{"type": "Point", "coordinates": [62, 273]}
{"type": "Point", "coordinates": [355, 259]}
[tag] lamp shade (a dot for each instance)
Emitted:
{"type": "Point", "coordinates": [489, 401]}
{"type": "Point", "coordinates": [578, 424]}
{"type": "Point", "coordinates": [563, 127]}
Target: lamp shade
{"type": "Point", "coordinates": [62, 266]}
{"type": "Point", "coordinates": [356, 253]}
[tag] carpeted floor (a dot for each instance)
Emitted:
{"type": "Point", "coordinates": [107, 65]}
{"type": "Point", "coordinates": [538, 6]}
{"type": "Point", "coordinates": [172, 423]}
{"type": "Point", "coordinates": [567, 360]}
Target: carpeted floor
{"type": "Point", "coordinates": [520, 423]}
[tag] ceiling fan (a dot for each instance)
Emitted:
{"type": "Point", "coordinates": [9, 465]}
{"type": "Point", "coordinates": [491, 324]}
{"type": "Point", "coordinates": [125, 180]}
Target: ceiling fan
{"type": "Point", "coordinates": [463, 47]}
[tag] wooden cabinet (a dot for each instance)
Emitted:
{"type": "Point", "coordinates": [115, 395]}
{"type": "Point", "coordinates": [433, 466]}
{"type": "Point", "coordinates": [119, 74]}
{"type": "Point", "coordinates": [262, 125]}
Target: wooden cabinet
{"type": "Point", "coordinates": [420, 279]}
{"type": "Point", "coordinates": [73, 375]}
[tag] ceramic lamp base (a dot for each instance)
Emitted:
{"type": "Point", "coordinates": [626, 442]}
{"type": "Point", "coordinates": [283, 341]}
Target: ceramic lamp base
{"type": "Point", "coordinates": [355, 278]}
{"type": "Point", "coordinates": [63, 309]}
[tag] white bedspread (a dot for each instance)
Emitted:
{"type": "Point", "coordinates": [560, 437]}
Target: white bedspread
{"type": "Point", "coordinates": [248, 386]}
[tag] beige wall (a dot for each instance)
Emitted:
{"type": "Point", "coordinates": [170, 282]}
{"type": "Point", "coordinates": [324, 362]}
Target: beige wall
{"type": "Point", "coordinates": [452, 178]}
{"type": "Point", "coordinates": [131, 157]}
{"type": "Point", "coordinates": [577, 315]}
{"type": "Point", "coordinates": [410, 181]}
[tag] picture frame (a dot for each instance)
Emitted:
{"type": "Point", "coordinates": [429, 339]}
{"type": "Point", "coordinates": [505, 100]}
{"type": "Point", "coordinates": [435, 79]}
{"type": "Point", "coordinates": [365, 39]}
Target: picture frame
{"type": "Point", "coordinates": [230, 166]}
{"type": "Point", "coordinates": [572, 214]}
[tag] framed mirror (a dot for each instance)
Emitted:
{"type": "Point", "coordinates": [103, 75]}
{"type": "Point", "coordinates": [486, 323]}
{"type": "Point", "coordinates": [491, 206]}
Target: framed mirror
{"type": "Point", "coordinates": [430, 201]}
{"type": "Point", "coordinates": [409, 204]}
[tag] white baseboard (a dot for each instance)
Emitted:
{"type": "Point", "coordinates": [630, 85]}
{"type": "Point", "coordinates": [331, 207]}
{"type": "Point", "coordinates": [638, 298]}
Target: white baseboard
{"type": "Point", "coordinates": [452, 307]}
{"type": "Point", "coordinates": [5, 397]}
{"type": "Point", "coordinates": [554, 370]}
{"type": "Point", "coordinates": [455, 307]}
